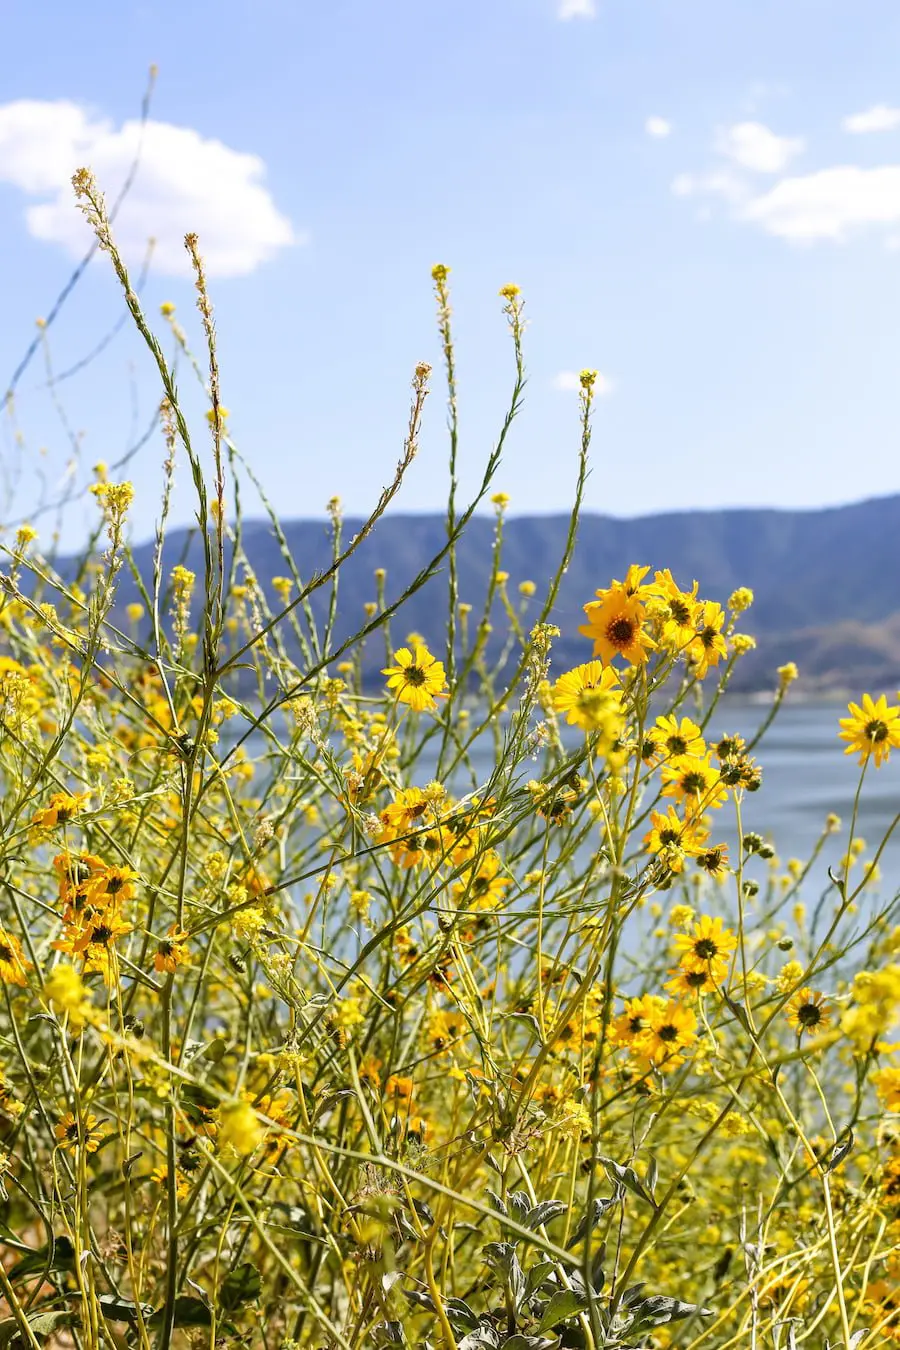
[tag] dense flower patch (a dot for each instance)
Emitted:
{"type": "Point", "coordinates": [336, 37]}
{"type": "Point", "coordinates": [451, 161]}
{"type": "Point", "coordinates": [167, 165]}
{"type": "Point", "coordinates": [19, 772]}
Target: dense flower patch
{"type": "Point", "coordinates": [469, 1010]}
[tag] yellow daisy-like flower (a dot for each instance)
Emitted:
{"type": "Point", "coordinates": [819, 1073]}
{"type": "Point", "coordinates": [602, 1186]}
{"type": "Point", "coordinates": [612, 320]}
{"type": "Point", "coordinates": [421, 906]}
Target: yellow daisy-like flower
{"type": "Point", "coordinates": [871, 729]}
{"type": "Point", "coordinates": [60, 809]}
{"type": "Point", "coordinates": [808, 1012]}
{"type": "Point", "coordinates": [689, 983]}
{"type": "Point", "coordinates": [673, 839]}
{"type": "Point", "coordinates": [706, 946]}
{"type": "Point", "coordinates": [445, 1028]}
{"type": "Point", "coordinates": [693, 781]}
{"type": "Point", "coordinates": [676, 610]}
{"type": "Point", "coordinates": [709, 646]}
{"type": "Point", "coordinates": [67, 995]}
{"type": "Point", "coordinates": [159, 1177]}
{"type": "Point", "coordinates": [113, 886]}
{"type": "Point", "coordinates": [240, 1128]}
{"type": "Point", "coordinates": [887, 1084]}
{"type": "Point", "coordinates": [94, 941]}
{"type": "Point", "coordinates": [676, 738]}
{"type": "Point", "coordinates": [91, 1135]}
{"type": "Point", "coordinates": [403, 826]}
{"type": "Point", "coordinates": [172, 950]}
{"type": "Point", "coordinates": [13, 964]}
{"type": "Point", "coordinates": [633, 1022]}
{"type": "Point", "coordinates": [417, 677]}
{"type": "Point", "coordinates": [615, 622]}
{"type": "Point", "coordinates": [483, 886]}
{"type": "Point", "coordinates": [634, 583]}
{"type": "Point", "coordinates": [588, 696]}
{"type": "Point", "coordinates": [714, 862]}
{"type": "Point", "coordinates": [672, 1030]}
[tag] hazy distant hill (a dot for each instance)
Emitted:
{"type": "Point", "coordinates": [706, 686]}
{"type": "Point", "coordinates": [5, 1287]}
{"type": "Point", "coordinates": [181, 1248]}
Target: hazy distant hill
{"type": "Point", "coordinates": [827, 582]}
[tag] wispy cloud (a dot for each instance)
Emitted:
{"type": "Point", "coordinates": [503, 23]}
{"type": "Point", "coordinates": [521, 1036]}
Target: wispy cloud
{"type": "Point", "coordinates": [724, 183]}
{"type": "Point", "coordinates": [569, 381]}
{"type": "Point", "coordinates": [185, 183]}
{"type": "Point", "coordinates": [879, 118]}
{"type": "Point", "coordinates": [576, 9]}
{"type": "Point", "coordinates": [658, 127]}
{"type": "Point", "coordinates": [831, 204]}
{"type": "Point", "coordinates": [753, 146]}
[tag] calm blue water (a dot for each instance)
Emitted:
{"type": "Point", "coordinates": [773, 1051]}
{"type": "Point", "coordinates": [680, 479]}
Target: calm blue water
{"type": "Point", "coordinates": [806, 775]}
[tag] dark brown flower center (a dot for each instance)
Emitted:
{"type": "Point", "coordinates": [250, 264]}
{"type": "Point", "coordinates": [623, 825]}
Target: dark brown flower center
{"type": "Point", "coordinates": [808, 1015]}
{"type": "Point", "coordinates": [415, 676]}
{"type": "Point", "coordinates": [5, 953]}
{"type": "Point", "coordinates": [668, 1032]}
{"type": "Point", "coordinates": [706, 949]}
{"type": "Point", "coordinates": [676, 745]}
{"type": "Point", "coordinates": [876, 731]}
{"type": "Point", "coordinates": [620, 631]}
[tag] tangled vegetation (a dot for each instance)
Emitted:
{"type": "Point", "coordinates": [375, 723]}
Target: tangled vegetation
{"type": "Point", "coordinates": [437, 1013]}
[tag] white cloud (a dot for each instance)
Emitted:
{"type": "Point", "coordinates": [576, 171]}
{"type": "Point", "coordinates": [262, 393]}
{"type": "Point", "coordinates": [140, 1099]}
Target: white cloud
{"type": "Point", "coordinates": [724, 183]}
{"type": "Point", "coordinates": [879, 118]}
{"type": "Point", "coordinates": [569, 381]}
{"type": "Point", "coordinates": [753, 146]}
{"type": "Point", "coordinates": [658, 127]}
{"type": "Point", "coordinates": [830, 204]}
{"type": "Point", "coordinates": [576, 9]}
{"type": "Point", "coordinates": [185, 182]}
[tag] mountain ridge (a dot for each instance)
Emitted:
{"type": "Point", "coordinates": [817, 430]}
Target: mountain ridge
{"type": "Point", "coordinates": [826, 580]}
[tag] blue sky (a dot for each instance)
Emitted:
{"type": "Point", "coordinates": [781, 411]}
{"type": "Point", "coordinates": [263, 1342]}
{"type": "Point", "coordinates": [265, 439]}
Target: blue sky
{"type": "Point", "coordinates": [736, 280]}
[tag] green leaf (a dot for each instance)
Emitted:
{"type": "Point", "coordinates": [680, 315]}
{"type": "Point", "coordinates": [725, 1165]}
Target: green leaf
{"type": "Point", "coordinates": [589, 1222]}
{"type": "Point", "coordinates": [123, 1309]}
{"type": "Point", "coordinates": [241, 1285]}
{"type": "Point", "coordinates": [59, 1256]}
{"type": "Point", "coordinates": [563, 1305]}
{"type": "Point", "coordinates": [627, 1177]}
{"type": "Point", "coordinates": [519, 1342]}
{"type": "Point", "coordinates": [483, 1337]}
{"type": "Point", "coordinates": [460, 1315]}
{"type": "Point", "coordinates": [544, 1212]}
{"type": "Point", "coordinates": [656, 1311]}
{"type": "Point", "coordinates": [839, 1152]}
{"type": "Point", "coordinates": [519, 1206]}
{"type": "Point", "coordinates": [498, 1204]}
{"type": "Point", "coordinates": [189, 1312]}
{"type": "Point", "coordinates": [41, 1324]}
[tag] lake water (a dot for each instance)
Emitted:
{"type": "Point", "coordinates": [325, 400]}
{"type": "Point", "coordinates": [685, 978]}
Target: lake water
{"type": "Point", "coordinates": [806, 775]}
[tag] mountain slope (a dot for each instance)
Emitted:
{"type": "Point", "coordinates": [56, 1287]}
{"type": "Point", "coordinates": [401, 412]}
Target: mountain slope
{"type": "Point", "coordinates": [825, 581]}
